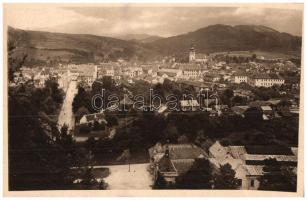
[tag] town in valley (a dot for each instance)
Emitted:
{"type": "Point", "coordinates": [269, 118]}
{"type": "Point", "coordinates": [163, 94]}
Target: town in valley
{"type": "Point", "coordinates": [197, 119]}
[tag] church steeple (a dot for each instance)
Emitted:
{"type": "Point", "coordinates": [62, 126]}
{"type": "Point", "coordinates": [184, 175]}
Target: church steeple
{"type": "Point", "coordinates": [192, 54]}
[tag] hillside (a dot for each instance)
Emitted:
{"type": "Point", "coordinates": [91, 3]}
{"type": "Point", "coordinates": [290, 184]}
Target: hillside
{"type": "Point", "coordinates": [217, 38]}
{"type": "Point", "coordinates": [35, 47]}
{"type": "Point", "coordinates": [144, 38]}
{"type": "Point", "coordinates": [48, 47]}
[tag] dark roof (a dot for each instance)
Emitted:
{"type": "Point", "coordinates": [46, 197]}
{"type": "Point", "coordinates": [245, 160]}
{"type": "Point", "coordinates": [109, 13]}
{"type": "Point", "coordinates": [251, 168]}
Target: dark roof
{"type": "Point", "coordinates": [165, 165]}
{"type": "Point", "coordinates": [268, 150]}
{"type": "Point", "coordinates": [183, 165]}
{"type": "Point", "coordinates": [185, 151]}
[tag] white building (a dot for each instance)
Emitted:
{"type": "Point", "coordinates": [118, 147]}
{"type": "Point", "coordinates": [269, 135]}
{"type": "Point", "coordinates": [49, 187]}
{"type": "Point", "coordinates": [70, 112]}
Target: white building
{"type": "Point", "coordinates": [266, 80]}
{"type": "Point", "coordinates": [240, 78]}
{"type": "Point", "coordinates": [110, 72]}
{"type": "Point", "coordinates": [247, 162]}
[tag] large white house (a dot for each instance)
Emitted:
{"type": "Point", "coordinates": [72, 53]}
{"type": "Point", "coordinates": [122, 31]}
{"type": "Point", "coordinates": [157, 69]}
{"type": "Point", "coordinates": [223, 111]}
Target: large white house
{"type": "Point", "coordinates": [266, 80]}
{"type": "Point", "coordinates": [240, 78]}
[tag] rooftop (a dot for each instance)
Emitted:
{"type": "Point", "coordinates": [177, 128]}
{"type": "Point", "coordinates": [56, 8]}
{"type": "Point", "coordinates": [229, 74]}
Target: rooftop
{"type": "Point", "coordinates": [268, 150]}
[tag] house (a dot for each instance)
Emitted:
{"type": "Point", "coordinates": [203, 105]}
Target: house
{"type": "Point", "coordinates": [239, 78]}
{"type": "Point", "coordinates": [172, 160]}
{"type": "Point", "coordinates": [265, 80]}
{"type": "Point", "coordinates": [93, 125]}
{"type": "Point", "coordinates": [248, 161]}
{"type": "Point", "coordinates": [169, 73]}
{"type": "Point", "coordinates": [189, 70]}
{"type": "Point", "coordinates": [189, 105]}
{"type": "Point", "coordinates": [41, 78]}
{"type": "Point", "coordinates": [110, 72]}
{"type": "Point", "coordinates": [133, 72]}
{"type": "Point", "coordinates": [267, 112]}
{"type": "Point", "coordinates": [86, 73]}
{"type": "Point", "coordinates": [91, 118]}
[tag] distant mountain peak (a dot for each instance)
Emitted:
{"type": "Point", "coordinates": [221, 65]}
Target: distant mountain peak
{"type": "Point", "coordinates": [257, 28]}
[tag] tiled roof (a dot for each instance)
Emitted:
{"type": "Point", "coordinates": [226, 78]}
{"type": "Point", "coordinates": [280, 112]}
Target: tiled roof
{"type": "Point", "coordinates": [185, 151]}
{"type": "Point", "coordinates": [254, 170]}
{"type": "Point", "coordinates": [182, 165]}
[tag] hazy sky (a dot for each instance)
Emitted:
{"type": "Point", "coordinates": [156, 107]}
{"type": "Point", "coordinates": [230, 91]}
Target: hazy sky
{"type": "Point", "coordinates": [163, 21]}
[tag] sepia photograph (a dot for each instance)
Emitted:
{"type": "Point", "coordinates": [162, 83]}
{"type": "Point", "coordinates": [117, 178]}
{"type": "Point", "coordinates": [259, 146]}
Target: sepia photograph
{"type": "Point", "coordinates": [153, 98]}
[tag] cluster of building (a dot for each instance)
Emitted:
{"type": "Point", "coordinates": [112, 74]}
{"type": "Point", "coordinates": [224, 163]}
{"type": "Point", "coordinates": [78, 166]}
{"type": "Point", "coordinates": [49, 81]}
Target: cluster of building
{"type": "Point", "coordinates": [171, 161]}
{"type": "Point", "coordinates": [259, 80]}
{"type": "Point", "coordinates": [248, 161]}
{"type": "Point", "coordinates": [200, 69]}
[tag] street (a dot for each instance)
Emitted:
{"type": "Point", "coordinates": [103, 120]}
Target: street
{"type": "Point", "coordinates": [121, 179]}
{"type": "Point", "coordinates": [66, 115]}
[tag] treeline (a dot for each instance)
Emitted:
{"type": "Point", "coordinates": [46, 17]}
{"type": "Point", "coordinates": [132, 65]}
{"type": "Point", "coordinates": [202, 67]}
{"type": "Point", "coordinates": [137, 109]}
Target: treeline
{"type": "Point", "coordinates": [40, 155]}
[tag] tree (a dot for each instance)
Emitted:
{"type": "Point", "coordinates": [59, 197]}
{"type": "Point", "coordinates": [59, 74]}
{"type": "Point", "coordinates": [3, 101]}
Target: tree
{"type": "Point", "coordinates": [112, 120]}
{"type": "Point", "coordinates": [199, 176]}
{"type": "Point", "coordinates": [38, 142]}
{"type": "Point", "coordinates": [254, 56]}
{"type": "Point", "coordinates": [253, 114]}
{"type": "Point", "coordinates": [277, 177]}
{"type": "Point", "coordinates": [237, 100]}
{"type": "Point", "coordinates": [55, 92]}
{"type": "Point", "coordinates": [183, 139]}
{"type": "Point", "coordinates": [82, 99]}
{"type": "Point", "coordinates": [171, 133]}
{"type": "Point", "coordinates": [80, 112]}
{"type": "Point", "coordinates": [226, 97]}
{"type": "Point", "coordinates": [226, 178]}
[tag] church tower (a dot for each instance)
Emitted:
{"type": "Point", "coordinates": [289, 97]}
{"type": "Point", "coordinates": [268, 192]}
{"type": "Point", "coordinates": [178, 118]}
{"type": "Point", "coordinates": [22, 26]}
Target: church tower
{"type": "Point", "coordinates": [192, 54]}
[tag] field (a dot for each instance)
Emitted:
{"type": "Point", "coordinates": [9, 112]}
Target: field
{"type": "Point", "coordinates": [265, 54]}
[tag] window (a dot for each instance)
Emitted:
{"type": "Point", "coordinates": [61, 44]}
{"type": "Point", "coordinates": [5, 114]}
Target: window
{"type": "Point", "coordinates": [252, 183]}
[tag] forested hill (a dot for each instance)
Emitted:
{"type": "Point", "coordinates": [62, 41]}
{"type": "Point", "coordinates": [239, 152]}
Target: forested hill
{"type": "Point", "coordinates": [36, 47]}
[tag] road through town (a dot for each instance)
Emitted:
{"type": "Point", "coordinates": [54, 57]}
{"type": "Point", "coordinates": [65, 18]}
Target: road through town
{"type": "Point", "coordinates": [66, 115]}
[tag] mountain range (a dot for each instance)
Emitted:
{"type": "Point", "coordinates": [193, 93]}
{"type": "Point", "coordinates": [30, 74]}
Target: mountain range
{"type": "Point", "coordinates": [144, 38]}
{"type": "Point", "coordinates": [42, 47]}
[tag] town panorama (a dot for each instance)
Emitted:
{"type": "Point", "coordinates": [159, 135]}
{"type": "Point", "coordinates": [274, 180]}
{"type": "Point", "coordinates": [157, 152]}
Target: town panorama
{"type": "Point", "coordinates": [214, 107]}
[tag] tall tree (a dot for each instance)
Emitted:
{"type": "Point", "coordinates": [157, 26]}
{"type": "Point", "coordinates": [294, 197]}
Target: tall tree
{"type": "Point", "coordinates": [226, 178]}
{"type": "Point", "coordinates": [199, 176]}
{"type": "Point", "coordinates": [277, 177]}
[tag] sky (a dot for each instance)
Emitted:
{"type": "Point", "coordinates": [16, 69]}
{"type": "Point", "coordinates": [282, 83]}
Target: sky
{"type": "Point", "coordinates": [162, 21]}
